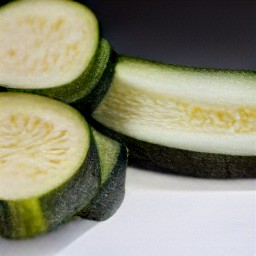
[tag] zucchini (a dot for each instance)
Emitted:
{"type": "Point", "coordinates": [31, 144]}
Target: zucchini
{"type": "Point", "coordinates": [113, 161]}
{"type": "Point", "coordinates": [49, 164]}
{"type": "Point", "coordinates": [52, 48]}
{"type": "Point", "coordinates": [95, 87]}
{"type": "Point", "coordinates": [193, 121]}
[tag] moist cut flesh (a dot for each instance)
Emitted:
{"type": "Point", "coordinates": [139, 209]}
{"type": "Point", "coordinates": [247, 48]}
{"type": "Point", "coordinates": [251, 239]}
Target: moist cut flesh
{"type": "Point", "coordinates": [203, 116]}
{"type": "Point", "coordinates": [49, 165]}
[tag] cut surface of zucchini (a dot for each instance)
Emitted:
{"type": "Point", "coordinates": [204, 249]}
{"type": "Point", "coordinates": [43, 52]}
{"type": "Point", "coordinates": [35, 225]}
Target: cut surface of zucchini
{"type": "Point", "coordinates": [113, 162]}
{"type": "Point", "coordinates": [49, 167]}
{"type": "Point", "coordinates": [202, 110]}
{"type": "Point", "coordinates": [45, 43]}
{"type": "Point", "coordinates": [195, 121]}
{"type": "Point", "coordinates": [39, 146]}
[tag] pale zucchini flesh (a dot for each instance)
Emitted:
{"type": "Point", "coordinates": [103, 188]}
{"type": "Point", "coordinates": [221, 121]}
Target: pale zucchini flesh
{"type": "Point", "coordinates": [51, 39]}
{"type": "Point", "coordinates": [192, 110]}
{"type": "Point", "coordinates": [49, 167]}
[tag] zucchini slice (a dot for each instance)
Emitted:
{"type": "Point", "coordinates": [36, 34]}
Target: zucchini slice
{"type": "Point", "coordinates": [113, 161]}
{"type": "Point", "coordinates": [193, 121]}
{"type": "Point", "coordinates": [49, 165]}
{"type": "Point", "coordinates": [52, 48]}
{"type": "Point", "coordinates": [99, 79]}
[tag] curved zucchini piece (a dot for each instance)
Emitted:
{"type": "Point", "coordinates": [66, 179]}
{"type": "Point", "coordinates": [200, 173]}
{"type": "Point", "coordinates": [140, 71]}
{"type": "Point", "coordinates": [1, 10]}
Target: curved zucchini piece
{"type": "Point", "coordinates": [113, 161]}
{"type": "Point", "coordinates": [200, 122]}
{"type": "Point", "coordinates": [57, 53]}
{"type": "Point", "coordinates": [49, 166]}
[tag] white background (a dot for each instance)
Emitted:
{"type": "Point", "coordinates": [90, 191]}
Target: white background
{"type": "Point", "coordinates": [161, 215]}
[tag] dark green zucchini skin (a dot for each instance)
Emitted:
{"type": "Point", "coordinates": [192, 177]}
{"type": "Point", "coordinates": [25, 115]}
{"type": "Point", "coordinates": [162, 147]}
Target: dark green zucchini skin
{"type": "Point", "coordinates": [59, 205]}
{"type": "Point", "coordinates": [5, 220]}
{"type": "Point", "coordinates": [87, 85]}
{"type": "Point", "coordinates": [111, 194]}
{"type": "Point", "coordinates": [182, 162]}
{"type": "Point", "coordinates": [107, 59]}
{"type": "Point", "coordinates": [197, 164]}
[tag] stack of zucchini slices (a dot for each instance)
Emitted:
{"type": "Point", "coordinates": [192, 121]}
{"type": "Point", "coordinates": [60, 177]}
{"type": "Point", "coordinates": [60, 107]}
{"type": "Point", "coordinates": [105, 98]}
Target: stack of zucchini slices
{"type": "Point", "coordinates": [54, 48]}
{"type": "Point", "coordinates": [54, 165]}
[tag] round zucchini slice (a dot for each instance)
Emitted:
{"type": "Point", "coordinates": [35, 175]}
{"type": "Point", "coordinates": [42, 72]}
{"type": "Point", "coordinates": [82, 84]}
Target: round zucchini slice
{"type": "Point", "coordinates": [195, 121]}
{"type": "Point", "coordinates": [49, 164]}
{"type": "Point", "coordinates": [50, 47]}
{"type": "Point", "coordinates": [113, 162]}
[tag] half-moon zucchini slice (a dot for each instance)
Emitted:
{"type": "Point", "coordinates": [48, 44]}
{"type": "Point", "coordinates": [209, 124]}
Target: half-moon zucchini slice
{"type": "Point", "coordinates": [195, 121]}
{"type": "Point", "coordinates": [49, 165]}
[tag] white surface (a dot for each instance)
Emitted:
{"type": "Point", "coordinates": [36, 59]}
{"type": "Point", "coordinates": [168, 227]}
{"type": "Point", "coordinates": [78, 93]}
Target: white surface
{"type": "Point", "coordinates": [161, 215]}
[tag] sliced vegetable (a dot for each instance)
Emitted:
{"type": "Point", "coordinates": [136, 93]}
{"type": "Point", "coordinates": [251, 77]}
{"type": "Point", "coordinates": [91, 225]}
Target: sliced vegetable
{"type": "Point", "coordinates": [95, 87]}
{"type": "Point", "coordinates": [113, 161]}
{"type": "Point", "coordinates": [49, 164]}
{"type": "Point", "coordinates": [199, 122]}
{"type": "Point", "coordinates": [52, 48]}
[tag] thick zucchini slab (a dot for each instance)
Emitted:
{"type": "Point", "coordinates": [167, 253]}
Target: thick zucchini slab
{"type": "Point", "coordinates": [55, 53]}
{"type": "Point", "coordinates": [203, 119]}
{"type": "Point", "coordinates": [49, 164]}
{"type": "Point", "coordinates": [113, 161]}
